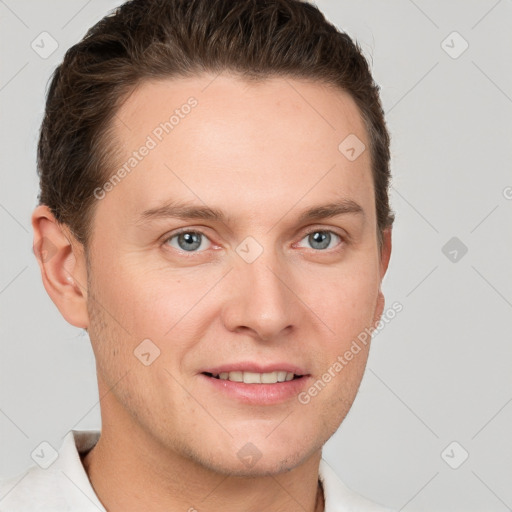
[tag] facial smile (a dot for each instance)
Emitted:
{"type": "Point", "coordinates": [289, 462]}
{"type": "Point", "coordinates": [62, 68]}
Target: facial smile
{"type": "Point", "coordinates": [255, 378]}
{"type": "Point", "coordinates": [257, 384]}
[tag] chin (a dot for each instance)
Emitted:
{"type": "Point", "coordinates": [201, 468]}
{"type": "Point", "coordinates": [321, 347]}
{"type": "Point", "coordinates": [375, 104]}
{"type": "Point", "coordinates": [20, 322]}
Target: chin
{"type": "Point", "coordinates": [261, 457]}
{"type": "Point", "coordinates": [267, 465]}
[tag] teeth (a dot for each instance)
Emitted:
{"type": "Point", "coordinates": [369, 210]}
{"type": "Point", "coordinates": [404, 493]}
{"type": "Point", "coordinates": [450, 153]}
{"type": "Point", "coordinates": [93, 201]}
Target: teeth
{"type": "Point", "coordinates": [256, 378]}
{"type": "Point", "coordinates": [252, 378]}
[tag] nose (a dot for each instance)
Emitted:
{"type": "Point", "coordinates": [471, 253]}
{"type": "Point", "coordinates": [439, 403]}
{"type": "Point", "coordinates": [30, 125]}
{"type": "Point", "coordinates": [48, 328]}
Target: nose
{"type": "Point", "coordinates": [261, 299]}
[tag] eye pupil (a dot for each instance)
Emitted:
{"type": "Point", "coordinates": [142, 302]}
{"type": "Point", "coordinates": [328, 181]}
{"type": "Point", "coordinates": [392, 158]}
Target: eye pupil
{"type": "Point", "coordinates": [323, 238]}
{"type": "Point", "coordinates": [192, 241]}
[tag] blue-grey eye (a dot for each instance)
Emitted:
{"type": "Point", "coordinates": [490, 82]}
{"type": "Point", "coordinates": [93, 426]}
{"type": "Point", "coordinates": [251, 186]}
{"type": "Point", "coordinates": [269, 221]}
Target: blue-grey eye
{"type": "Point", "coordinates": [320, 239]}
{"type": "Point", "coordinates": [187, 240]}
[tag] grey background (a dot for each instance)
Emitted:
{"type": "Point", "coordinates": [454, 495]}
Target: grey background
{"type": "Point", "coordinates": [440, 371]}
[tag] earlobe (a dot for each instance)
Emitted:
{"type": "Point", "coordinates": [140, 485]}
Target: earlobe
{"type": "Point", "coordinates": [62, 264]}
{"type": "Point", "coordinates": [379, 308]}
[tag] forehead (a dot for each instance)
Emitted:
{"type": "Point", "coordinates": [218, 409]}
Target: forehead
{"type": "Point", "coordinates": [219, 140]}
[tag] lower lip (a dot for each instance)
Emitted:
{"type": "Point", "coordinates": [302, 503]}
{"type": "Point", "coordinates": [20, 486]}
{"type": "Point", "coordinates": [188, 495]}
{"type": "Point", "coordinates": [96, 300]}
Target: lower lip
{"type": "Point", "coordinates": [258, 394]}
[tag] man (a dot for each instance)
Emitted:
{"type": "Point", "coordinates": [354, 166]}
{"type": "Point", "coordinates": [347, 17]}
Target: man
{"type": "Point", "coordinates": [214, 212]}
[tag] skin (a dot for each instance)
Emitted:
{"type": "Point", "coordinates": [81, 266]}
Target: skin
{"type": "Point", "coordinates": [262, 153]}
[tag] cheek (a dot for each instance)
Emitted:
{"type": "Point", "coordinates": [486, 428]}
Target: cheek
{"type": "Point", "coordinates": [146, 303]}
{"type": "Point", "coordinates": [347, 303]}
{"type": "Point", "coordinates": [158, 302]}
{"type": "Point", "coordinates": [167, 306]}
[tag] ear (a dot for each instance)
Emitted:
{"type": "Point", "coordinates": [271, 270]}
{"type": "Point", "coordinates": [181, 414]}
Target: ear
{"type": "Point", "coordinates": [61, 259]}
{"type": "Point", "coordinates": [385, 251]}
{"type": "Point", "coordinates": [385, 254]}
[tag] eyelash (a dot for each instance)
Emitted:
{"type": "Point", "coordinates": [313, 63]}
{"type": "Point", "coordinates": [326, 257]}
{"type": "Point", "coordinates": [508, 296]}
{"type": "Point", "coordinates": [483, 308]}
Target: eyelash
{"type": "Point", "coordinates": [314, 230]}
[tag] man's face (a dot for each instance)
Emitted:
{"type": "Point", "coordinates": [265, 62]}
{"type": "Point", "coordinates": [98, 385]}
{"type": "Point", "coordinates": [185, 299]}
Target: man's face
{"type": "Point", "coordinates": [260, 289]}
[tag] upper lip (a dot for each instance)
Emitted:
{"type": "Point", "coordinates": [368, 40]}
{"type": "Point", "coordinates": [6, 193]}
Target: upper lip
{"type": "Point", "coordinates": [255, 367]}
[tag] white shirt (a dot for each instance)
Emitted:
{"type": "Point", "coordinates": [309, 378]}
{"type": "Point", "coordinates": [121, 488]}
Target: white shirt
{"type": "Point", "coordinates": [65, 486]}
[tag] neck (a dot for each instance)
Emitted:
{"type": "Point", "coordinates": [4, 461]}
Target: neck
{"type": "Point", "coordinates": [130, 471]}
{"type": "Point", "coordinates": [125, 480]}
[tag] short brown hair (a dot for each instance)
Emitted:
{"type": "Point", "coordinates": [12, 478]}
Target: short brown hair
{"type": "Point", "coordinates": [149, 39]}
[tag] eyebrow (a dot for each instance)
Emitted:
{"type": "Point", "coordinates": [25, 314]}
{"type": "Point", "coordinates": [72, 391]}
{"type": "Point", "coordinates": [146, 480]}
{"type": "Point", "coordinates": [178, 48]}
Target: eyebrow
{"type": "Point", "coordinates": [184, 211]}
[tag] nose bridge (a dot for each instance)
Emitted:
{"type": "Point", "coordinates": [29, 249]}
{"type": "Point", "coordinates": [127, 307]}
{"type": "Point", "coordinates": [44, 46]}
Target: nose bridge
{"type": "Point", "coordinates": [261, 300]}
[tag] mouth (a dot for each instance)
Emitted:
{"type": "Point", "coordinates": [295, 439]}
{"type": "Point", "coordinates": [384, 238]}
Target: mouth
{"type": "Point", "coordinates": [255, 384]}
{"type": "Point", "coordinates": [247, 377]}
